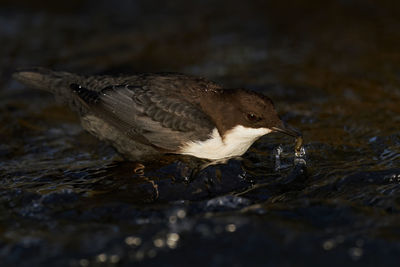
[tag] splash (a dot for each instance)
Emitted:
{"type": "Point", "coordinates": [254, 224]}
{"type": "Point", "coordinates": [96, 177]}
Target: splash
{"type": "Point", "coordinates": [277, 155]}
{"type": "Point", "coordinates": [300, 153]}
{"type": "Point", "coordinates": [300, 156]}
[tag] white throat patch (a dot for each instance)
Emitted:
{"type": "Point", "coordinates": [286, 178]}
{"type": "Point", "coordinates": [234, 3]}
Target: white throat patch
{"type": "Point", "coordinates": [236, 143]}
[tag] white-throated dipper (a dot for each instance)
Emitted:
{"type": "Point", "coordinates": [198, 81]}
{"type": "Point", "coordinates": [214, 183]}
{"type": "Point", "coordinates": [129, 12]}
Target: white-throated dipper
{"type": "Point", "coordinates": [144, 115]}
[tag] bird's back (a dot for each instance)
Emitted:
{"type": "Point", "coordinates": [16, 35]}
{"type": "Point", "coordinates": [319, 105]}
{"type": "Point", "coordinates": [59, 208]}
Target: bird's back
{"type": "Point", "coordinates": [62, 84]}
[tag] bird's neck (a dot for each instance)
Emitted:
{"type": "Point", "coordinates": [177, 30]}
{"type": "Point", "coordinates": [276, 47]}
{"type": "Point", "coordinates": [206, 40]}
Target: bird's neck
{"type": "Point", "coordinates": [214, 105]}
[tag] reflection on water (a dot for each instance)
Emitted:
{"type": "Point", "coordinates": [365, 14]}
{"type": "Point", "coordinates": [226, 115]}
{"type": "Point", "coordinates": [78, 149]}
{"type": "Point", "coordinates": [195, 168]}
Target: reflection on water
{"type": "Point", "coordinates": [333, 70]}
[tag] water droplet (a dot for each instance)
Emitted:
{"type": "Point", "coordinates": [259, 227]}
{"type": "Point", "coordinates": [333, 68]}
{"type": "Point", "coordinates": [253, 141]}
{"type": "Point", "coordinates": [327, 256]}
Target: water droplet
{"type": "Point", "coordinates": [181, 214]}
{"type": "Point", "coordinates": [133, 241]}
{"type": "Point", "coordinates": [114, 259]}
{"type": "Point", "coordinates": [172, 240]}
{"type": "Point", "coordinates": [84, 262]}
{"type": "Point", "coordinates": [102, 257]}
{"type": "Point", "coordinates": [230, 228]}
{"type": "Point", "coordinates": [373, 139]}
{"type": "Point", "coordinates": [277, 153]}
{"type": "Point", "coordinates": [300, 153]}
{"type": "Point", "coordinates": [159, 243]}
{"type": "Point", "coordinates": [355, 253]}
{"type": "Point", "coordinates": [172, 219]}
{"type": "Point", "coordinates": [328, 244]}
{"type": "Point", "coordinates": [173, 237]}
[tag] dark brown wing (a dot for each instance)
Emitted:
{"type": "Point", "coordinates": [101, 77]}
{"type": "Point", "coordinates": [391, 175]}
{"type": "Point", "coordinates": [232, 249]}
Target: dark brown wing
{"type": "Point", "coordinates": [148, 113]}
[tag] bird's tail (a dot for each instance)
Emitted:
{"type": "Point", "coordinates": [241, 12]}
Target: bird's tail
{"type": "Point", "coordinates": [45, 79]}
{"type": "Point", "coordinates": [56, 82]}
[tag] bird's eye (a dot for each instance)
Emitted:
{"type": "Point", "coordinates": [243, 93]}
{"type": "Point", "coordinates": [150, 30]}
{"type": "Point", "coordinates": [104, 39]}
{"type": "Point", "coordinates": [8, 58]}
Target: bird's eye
{"type": "Point", "coordinates": [252, 117]}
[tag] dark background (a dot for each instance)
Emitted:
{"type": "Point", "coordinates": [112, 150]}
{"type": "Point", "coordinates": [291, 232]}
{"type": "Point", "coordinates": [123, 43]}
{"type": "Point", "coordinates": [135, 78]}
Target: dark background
{"type": "Point", "coordinates": [331, 67]}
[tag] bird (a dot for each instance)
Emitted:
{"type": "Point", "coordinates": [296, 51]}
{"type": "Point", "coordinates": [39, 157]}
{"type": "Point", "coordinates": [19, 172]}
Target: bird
{"type": "Point", "coordinates": [146, 115]}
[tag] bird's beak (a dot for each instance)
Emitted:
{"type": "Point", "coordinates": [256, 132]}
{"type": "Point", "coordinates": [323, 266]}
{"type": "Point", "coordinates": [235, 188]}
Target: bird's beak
{"type": "Point", "coordinates": [285, 129]}
{"type": "Point", "coordinates": [292, 132]}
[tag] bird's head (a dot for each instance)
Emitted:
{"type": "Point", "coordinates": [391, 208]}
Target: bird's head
{"type": "Point", "coordinates": [251, 110]}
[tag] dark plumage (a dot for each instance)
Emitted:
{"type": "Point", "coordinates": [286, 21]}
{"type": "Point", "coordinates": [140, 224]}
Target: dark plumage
{"type": "Point", "coordinates": [145, 114]}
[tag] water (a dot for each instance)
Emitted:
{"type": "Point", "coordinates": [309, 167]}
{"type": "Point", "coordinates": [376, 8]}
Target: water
{"type": "Point", "coordinates": [333, 71]}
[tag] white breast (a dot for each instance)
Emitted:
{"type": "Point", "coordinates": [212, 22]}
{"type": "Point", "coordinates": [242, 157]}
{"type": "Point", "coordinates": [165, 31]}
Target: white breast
{"type": "Point", "coordinates": [235, 143]}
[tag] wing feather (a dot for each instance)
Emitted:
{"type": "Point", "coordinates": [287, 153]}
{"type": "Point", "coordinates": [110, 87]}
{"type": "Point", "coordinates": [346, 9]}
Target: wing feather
{"type": "Point", "coordinates": [154, 117]}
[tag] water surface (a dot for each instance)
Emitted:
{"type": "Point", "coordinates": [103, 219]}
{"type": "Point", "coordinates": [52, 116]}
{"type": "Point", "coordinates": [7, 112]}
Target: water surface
{"type": "Point", "coordinates": [333, 71]}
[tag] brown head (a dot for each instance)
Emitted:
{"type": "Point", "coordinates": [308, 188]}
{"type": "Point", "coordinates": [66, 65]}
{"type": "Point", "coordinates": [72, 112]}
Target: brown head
{"type": "Point", "coordinates": [231, 107]}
